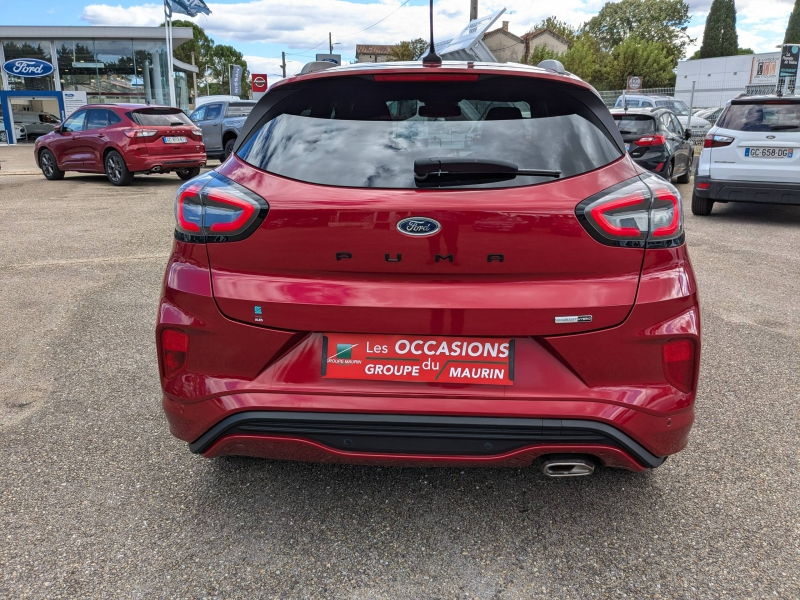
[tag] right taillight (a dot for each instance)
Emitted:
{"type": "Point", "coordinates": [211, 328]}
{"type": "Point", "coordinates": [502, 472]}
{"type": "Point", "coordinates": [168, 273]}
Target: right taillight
{"type": "Point", "coordinates": [678, 360]}
{"type": "Point", "coordinates": [717, 141]}
{"type": "Point", "coordinates": [212, 208]}
{"type": "Point", "coordinates": [640, 212]}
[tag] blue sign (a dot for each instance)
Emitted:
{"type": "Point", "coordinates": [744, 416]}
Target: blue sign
{"type": "Point", "coordinates": [27, 67]}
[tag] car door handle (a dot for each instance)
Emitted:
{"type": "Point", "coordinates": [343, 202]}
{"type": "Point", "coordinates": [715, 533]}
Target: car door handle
{"type": "Point", "coordinates": [101, 135]}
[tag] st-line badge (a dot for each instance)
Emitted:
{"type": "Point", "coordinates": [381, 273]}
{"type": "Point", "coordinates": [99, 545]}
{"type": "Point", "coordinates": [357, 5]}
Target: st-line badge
{"type": "Point", "coordinates": [575, 319]}
{"type": "Point", "coordinates": [425, 359]}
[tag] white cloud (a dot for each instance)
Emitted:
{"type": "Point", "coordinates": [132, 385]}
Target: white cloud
{"type": "Point", "coordinates": [272, 67]}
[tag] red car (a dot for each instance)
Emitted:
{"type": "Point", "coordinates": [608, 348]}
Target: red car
{"type": "Point", "coordinates": [334, 293]}
{"type": "Point", "coordinates": [121, 140]}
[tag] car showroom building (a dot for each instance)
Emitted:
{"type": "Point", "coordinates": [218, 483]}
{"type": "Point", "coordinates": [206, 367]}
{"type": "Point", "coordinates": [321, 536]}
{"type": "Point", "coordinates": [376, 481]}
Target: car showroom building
{"type": "Point", "coordinates": [107, 64]}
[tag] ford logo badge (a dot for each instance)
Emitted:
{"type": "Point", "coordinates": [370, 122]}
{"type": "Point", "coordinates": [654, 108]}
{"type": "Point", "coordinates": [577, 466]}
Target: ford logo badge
{"type": "Point", "coordinates": [27, 67]}
{"type": "Point", "coordinates": [418, 226]}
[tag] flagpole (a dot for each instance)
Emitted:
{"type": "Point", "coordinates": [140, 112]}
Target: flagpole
{"type": "Point", "coordinates": [170, 74]}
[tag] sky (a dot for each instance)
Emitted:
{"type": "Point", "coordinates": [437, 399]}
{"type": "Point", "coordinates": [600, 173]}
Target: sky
{"type": "Point", "coordinates": [262, 29]}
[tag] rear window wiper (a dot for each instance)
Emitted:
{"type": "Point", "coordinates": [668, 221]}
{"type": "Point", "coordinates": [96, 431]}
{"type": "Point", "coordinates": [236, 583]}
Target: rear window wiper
{"type": "Point", "coordinates": [783, 127]}
{"type": "Point", "coordinates": [469, 169]}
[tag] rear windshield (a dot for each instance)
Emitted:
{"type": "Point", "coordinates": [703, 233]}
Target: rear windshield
{"type": "Point", "coordinates": [774, 115]}
{"type": "Point", "coordinates": [635, 124]}
{"type": "Point", "coordinates": [159, 117]}
{"type": "Point", "coordinates": [239, 109]}
{"type": "Point", "coordinates": [356, 132]}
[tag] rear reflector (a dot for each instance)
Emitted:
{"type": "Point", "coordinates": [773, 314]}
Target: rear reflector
{"type": "Point", "coordinates": [174, 351]}
{"type": "Point", "coordinates": [703, 185]}
{"type": "Point", "coordinates": [411, 77]}
{"type": "Point", "coordinates": [678, 359]}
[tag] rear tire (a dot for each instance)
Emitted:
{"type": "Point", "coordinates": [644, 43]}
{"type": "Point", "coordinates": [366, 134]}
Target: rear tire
{"type": "Point", "coordinates": [667, 173]}
{"type": "Point", "coordinates": [49, 166]}
{"type": "Point", "coordinates": [187, 174]}
{"type": "Point", "coordinates": [701, 206]}
{"type": "Point", "coordinates": [116, 169]}
{"type": "Point", "coordinates": [228, 149]}
{"type": "Point", "coordinates": [687, 177]}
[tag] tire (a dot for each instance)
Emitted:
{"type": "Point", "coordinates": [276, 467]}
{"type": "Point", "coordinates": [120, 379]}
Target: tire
{"type": "Point", "coordinates": [228, 149]}
{"type": "Point", "coordinates": [49, 166]}
{"type": "Point", "coordinates": [187, 174]}
{"type": "Point", "coordinates": [667, 174]}
{"type": "Point", "coordinates": [701, 206]}
{"type": "Point", "coordinates": [687, 177]}
{"type": "Point", "coordinates": [116, 169]}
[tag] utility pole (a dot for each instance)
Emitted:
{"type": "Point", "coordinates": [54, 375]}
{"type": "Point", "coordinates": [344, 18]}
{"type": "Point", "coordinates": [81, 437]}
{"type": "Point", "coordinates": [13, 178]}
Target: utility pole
{"type": "Point", "coordinates": [330, 43]}
{"type": "Point", "coordinates": [194, 82]}
{"type": "Point", "coordinates": [473, 10]}
{"type": "Point", "coordinates": [283, 63]}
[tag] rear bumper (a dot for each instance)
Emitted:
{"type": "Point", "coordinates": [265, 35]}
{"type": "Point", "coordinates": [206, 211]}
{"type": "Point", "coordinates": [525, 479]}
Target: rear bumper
{"type": "Point", "coordinates": [413, 437]}
{"type": "Point", "coordinates": [744, 191]}
{"type": "Point", "coordinates": [165, 163]}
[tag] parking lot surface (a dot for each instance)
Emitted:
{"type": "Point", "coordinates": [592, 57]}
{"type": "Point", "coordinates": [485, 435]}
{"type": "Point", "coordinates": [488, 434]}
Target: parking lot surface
{"type": "Point", "coordinates": [98, 500]}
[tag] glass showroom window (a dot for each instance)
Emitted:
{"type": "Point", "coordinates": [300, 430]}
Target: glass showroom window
{"type": "Point", "coordinates": [29, 49]}
{"type": "Point", "coordinates": [116, 71]}
{"type": "Point", "coordinates": [78, 67]}
{"type": "Point", "coordinates": [150, 60]}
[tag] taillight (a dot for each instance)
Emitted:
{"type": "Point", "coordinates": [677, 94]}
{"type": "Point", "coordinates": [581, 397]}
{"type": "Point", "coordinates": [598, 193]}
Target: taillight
{"type": "Point", "coordinates": [197, 131]}
{"type": "Point", "coordinates": [678, 360]}
{"type": "Point", "coordinates": [651, 140]}
{"type": "Point", "coordinates": [134, 133]}
{"type": "Point", "coordinates": [212, 208]}
{"type": "Point", "coordinates": [174, 351]}
{"type": "Point", "coordinates": [640, 212]}
{"type": "Point", "coordinates": [717, 141]}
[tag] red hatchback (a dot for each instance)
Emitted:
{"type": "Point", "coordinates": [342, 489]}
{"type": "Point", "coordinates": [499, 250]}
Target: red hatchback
{"type": "Point", "coordinates": [120, 140]}
{"type": "Point", "coordinates": [433, 266]}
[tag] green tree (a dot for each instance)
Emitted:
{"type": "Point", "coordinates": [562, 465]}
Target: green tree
{"type": "Point", "coordinates": [719, 36]}
{"type": "Point", "coordinates": [792, 35]}
{"type": "Point", "coordinates": [585, 59]}
{"type": "Point", "coordinates": [645, 58]}
{"type": "Point", "coordinates": [201, 45]}
{"type": "Point", "coordinates": [221, 58]}
{"type": "Point", "coordinates": [555, 25]}
{"type": "Point", "coordinates": [540, 53]}
{"type": "Point", "coordinates": [410, 50]}
{"type": "Point", "coordinates": [745, 51]}
{"type": "Point", "coordinates": [658, 21]}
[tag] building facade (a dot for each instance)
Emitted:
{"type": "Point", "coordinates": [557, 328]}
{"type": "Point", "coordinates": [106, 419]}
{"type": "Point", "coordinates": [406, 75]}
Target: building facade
{"type": "Point", "coordinates": [373, 52]}
{"type": "Point", "coordinates": [508, 47]}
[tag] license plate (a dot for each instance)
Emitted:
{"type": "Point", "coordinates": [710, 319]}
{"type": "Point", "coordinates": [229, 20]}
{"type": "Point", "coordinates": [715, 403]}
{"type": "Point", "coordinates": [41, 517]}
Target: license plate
{"type": "Point", "coordinates": [175, 140]}
{"type": "Point", "coordinates": [433, 359]}
{"type": "Point", "coordinates": [768, 152]}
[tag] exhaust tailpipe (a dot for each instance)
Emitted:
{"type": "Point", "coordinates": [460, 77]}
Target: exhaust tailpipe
{"type": "Point", "coordinates": [568, 467]}
{"type": "Point", "coordinates": [156, 169]}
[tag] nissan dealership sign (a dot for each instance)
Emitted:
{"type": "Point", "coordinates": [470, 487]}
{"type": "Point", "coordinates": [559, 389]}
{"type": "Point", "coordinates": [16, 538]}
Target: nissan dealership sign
{"type": "Point", "coordinates": [27, 67]}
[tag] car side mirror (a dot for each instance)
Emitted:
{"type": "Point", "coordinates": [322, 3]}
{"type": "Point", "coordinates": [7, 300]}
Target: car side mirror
{"type": "Point", "coordinates": [687, 134]}
{"type": "Point", "coordinates": [57, 128]}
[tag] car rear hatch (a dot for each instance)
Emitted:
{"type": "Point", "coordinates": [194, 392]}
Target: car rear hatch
{"type": "Point", "coordinates": [639, 132]}
{"type": "Point", "coordinates": [353, 242]}
{"type": "Point", "coordinates": [757, 140]}
{"type": "Point", "coordinates": [167, 131]}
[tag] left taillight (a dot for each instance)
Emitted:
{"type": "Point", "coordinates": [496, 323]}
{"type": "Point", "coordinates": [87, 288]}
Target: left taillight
{"type": "Point", "coordinates": [174, 351]}
{"type": "Point", "coordinates": [642, 212]}
{"type": "Point", "coordinates": [651, 140]}
{"type": "Point", "coordinates": [213, 208]}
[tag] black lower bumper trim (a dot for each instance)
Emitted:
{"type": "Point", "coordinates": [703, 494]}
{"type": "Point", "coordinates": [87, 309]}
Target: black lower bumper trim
{"type": "Point", "coordinates": [752, 192]}
{"type": "Point", "coordinates": [421, 434]}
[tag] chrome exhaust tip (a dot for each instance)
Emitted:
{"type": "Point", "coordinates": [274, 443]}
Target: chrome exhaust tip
{"type": "Point", "coordinates": [568, 467]}
{"type": "Point", "coordinates": [156, 169]}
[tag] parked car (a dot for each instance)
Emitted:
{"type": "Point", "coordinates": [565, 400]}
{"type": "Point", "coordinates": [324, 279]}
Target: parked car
{"type": "Point", "coordinates": [121, 140]}
{"type": "Point", "coordinates": [19, 132]}
{"type": "Point", "coordinates": [698, 124]}
{"type": "Point", "coordinates": [751, 155]}
{"type": "Point", "coordinates": [711, 114]}
{"type": "Point", "coordinates": [657, 142]}
{"type": "Point", "coordinates": [221, 122]}
{"type": "Point", "coordinates": [334, 292]}
{"type": "Point", "coordinates": [215, 98]}
{"type": "Point", "coordinates": [36, 123]}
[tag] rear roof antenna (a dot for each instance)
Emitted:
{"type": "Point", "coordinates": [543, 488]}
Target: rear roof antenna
{"type": "Point", "coordinates": [431, 59]}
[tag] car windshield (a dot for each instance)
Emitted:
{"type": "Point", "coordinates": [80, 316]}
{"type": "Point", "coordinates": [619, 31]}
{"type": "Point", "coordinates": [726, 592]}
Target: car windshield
{"type": "Point", "coordinates": [48, 118]}
{"type": "Point", "coordinates": [355, 132]}
{"type": "Point", "coordinates": [635, 124]}
{"type": "Point", "coordinates": [774, 115]}
{"type": "Point", "coordinates": [239, 109]}
{"type": "Point", "coordinates": [676, 106]}
{"type": "Point", "coordinates": [159, 117]}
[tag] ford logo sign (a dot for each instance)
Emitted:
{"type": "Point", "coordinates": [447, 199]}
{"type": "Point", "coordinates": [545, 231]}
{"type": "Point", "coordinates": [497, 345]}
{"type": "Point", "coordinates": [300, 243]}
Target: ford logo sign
{"type": "Point", "coordinates": [27, 67]}
{"type": "Point", "coordinates": [418, 226]}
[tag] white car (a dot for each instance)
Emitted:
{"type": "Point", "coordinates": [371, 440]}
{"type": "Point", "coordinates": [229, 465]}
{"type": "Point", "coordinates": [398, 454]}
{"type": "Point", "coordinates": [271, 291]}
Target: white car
{"type": "Point", "coordinates": [19, 133]}
{"type": "Point", "coordinates": [697, 124]}
{"type": "Point", "coordinates": [751, 155]}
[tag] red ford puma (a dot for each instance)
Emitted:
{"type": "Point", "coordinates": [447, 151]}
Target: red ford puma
{"type": "Point", "coordinates": [434, 266]}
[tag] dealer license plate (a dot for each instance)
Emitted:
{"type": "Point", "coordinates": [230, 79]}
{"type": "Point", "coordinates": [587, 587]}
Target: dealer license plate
{"type": "Point", "coordinates": [768, 152]}
{"type": "Point", "coordinates": [418, 358]}
{"type": "Point", "coordinates": [175, 140]}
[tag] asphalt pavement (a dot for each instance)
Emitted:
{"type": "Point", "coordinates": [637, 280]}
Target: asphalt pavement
{"type": "Point", "coordinates": [97, 500]}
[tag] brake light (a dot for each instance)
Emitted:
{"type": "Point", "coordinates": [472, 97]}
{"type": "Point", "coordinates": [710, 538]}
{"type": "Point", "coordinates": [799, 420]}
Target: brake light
{"type": "Point", "coordinates": [174, 351]}
{"type": "Point", "coordinates": [213, 208]}
{"type": "Point", "coordinates": [134, 133]}
{"type": "Point", "coordinates": [412, 77]}
{"type": "Point", "coordinates": [652, 140]}
{"type": "Point", "coordinates": [678, 360]}
{"type": "Point", "coordinates": [716, 141]}
{"type": "Point", "coordinates": [640, 212]}
{"type": "Point", "coordinates": [197, 131]}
